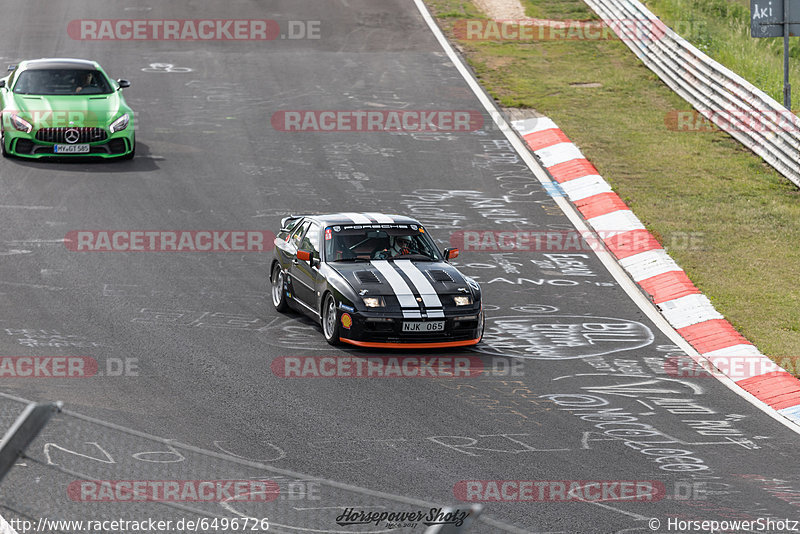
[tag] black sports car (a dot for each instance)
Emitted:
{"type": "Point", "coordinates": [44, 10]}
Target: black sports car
{"type": "Point", "coordinates": [374, 280]}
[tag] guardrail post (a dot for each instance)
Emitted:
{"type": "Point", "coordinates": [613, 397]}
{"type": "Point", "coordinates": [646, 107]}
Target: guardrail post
{"type": "Point", "coordinates": [787, 86]}
{"type": "Point", "coordinates": [27, 426]}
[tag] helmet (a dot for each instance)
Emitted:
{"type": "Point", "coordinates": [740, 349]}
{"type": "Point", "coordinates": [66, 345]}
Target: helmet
{"type": "Point", "coordinates": [403, 244]}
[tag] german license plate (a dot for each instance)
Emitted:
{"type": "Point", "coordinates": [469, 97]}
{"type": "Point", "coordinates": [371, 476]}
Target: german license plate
{"type": "Point", "coordinates": [426, 326]}
{"type": "Point", "coordinates": [71, 149]}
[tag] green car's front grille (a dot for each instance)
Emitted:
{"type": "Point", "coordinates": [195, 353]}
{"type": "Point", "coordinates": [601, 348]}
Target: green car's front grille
{"type": "Point", "coordinates": [76, 135]}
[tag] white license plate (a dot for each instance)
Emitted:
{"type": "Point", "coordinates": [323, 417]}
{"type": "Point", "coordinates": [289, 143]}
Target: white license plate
{"type": "Point", "coordinates": [71, 149]}
{"type": "Point", "coordinates": [428, 326]}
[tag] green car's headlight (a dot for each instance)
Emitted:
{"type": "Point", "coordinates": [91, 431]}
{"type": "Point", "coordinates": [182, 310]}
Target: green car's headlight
{"type": "Point", "coordinates": [21, 124]}
{"type": "Point", "coordinates": [462, 300]}
{"type": "Point", "coordinates": [120, 124]}
{"type": "Point", "coordinates": [374, 302]}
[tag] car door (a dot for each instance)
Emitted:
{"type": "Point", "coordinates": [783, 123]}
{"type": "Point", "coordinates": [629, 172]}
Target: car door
{"type": "Point", "coordinates": [305, 274]}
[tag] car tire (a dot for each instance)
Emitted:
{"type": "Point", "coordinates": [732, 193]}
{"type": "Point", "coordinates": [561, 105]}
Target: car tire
{"type": "Point", "coordinates": [330, 320]}
{"type": "Point", "coordinates": [3, 143]}
{"type": "Point", "coordinates": [483, 326]}
{"type": "Point", "coordinates": [277, 280]}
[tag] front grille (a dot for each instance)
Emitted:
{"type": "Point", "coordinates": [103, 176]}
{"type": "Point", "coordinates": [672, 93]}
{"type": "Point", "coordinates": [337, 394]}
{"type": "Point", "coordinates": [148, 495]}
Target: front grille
{"type": "Point", "coordinates": [85, 134]}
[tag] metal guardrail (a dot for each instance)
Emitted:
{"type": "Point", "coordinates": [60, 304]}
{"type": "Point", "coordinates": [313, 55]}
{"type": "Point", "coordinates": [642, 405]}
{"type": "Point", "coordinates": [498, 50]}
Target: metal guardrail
{"type": "Point", "coordinates": [732, 103]}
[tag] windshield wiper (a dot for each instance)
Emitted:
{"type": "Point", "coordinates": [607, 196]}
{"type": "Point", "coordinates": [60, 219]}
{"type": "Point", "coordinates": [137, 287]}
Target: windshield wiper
{"type": "Point", "coordinates": [413, 257]}
{"type": "Point", "coordinates": [356, 260]}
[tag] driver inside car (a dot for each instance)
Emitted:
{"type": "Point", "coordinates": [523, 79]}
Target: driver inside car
{"type": "Point", "coordinates": [403, 245]}
{"type": "Point", "coordinates": [400, 245]}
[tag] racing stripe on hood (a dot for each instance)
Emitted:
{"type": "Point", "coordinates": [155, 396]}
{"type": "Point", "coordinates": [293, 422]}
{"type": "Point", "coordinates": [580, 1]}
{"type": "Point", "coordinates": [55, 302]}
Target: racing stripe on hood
{"type": "Point", "coordinates": [358, 218]}
{"type": "Point", "coordinates": [401, 290]}
{"type": "Point", "coordinates": [380, 217]}
{"type": "Point", "coordinates": [429, 296]}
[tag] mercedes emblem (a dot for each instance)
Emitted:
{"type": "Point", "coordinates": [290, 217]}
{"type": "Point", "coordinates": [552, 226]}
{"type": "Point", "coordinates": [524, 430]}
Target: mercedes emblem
{"type": "Point", "coordinates": [72, 135]}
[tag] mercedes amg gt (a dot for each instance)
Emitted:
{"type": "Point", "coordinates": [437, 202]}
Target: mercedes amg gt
{"type": "Point", "coordinates": [64, 107]}
{"type": "Point", "coordinates": [374, 280]}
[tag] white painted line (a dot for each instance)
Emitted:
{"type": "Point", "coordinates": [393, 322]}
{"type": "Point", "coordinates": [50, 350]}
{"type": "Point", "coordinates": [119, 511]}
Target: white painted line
{"type": "Point", "coordinates": [16, 207]}
{"type": "Point", "coordinates": [5, 528]}
{"type": "Point", "coordinates": [15, 252]}
{"type": "Point", "coordinates": [689, 310]}
{"type": "Point", "coordinates": [39, 241]}
{"type": "Point", "coordinates": [585, 187]}
{"type": "Point", "coordinates": [648, 264]}
{"type": "Point", "coordinates": [608, 260]}
{"type": "Point", "coordinates": [559, 153]}
{"type": "Point", "coordinates": [616, 222]}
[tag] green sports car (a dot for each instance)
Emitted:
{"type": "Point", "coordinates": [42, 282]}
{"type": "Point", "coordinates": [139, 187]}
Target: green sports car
{"type": "Point", "coordinates": [64, 107]}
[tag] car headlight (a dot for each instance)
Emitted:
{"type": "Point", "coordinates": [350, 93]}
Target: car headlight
{"type": "Point", "coordinates": [374, 302]}
{"type": "Point", "coordinates": [120, 124]}
{"type": "Point", "coordinates": [462, 300]}
{"type": "Point", "coordinates": [21, 124]}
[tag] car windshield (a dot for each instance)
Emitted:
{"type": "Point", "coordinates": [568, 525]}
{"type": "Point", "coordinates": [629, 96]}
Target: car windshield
{"type": "Point", "coordinates": [348, 243]}
{"type": "Point", "coordinates": [62, 82]}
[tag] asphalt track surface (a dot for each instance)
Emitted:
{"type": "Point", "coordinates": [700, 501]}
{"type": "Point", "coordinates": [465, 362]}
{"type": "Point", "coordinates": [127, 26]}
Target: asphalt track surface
{"type": "Point", "coordinates": [203, 334]}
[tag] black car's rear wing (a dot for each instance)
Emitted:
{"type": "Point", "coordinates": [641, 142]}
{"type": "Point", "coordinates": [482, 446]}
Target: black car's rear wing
{"type": "Point", "coordinates": [287, 223]}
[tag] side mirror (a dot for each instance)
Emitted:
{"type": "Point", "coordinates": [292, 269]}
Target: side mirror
{"type": "Point", "coordinates": [123, 83]}
{"type": "Point", "coordinates": [2, 83]}
{"type": "Point", "coordinates": [303, 255]}
{"type": "Point", "coordinates": [450, 253]}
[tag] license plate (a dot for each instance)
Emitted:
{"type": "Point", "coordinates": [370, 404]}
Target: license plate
{"type": "Point", "coordinates": [71, 149]}
{"type": "Point", "coordinates": [428, 326]}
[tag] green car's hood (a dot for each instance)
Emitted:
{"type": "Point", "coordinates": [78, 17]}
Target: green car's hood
{"type": "Point", "coordinates": [69, 110]}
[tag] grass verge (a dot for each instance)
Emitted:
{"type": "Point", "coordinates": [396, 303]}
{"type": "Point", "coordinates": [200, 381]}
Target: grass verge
{"type": "Point", "coordinates": [725, 216]}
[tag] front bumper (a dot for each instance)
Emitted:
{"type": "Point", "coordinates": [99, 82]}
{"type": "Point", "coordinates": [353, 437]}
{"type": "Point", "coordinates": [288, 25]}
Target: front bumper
{"type": "Point", "coordinates": [26, 145]}
{"type": "Point", "coordinates": [461, 328]}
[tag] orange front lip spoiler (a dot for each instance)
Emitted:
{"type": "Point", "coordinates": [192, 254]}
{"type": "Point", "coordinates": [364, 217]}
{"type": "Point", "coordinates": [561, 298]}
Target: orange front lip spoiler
{"type": "Point", "coordinates": [443, 344]}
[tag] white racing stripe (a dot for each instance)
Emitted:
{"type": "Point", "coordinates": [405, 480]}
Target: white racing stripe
{"type": "Point", "coordinates": [380, 217]}
{"type": "Point", "coordinates": [400, 288]}
{"type": "Point", "coordinates": [429, 296]}
{"type": "Point", "coordinates": [358, 218]}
